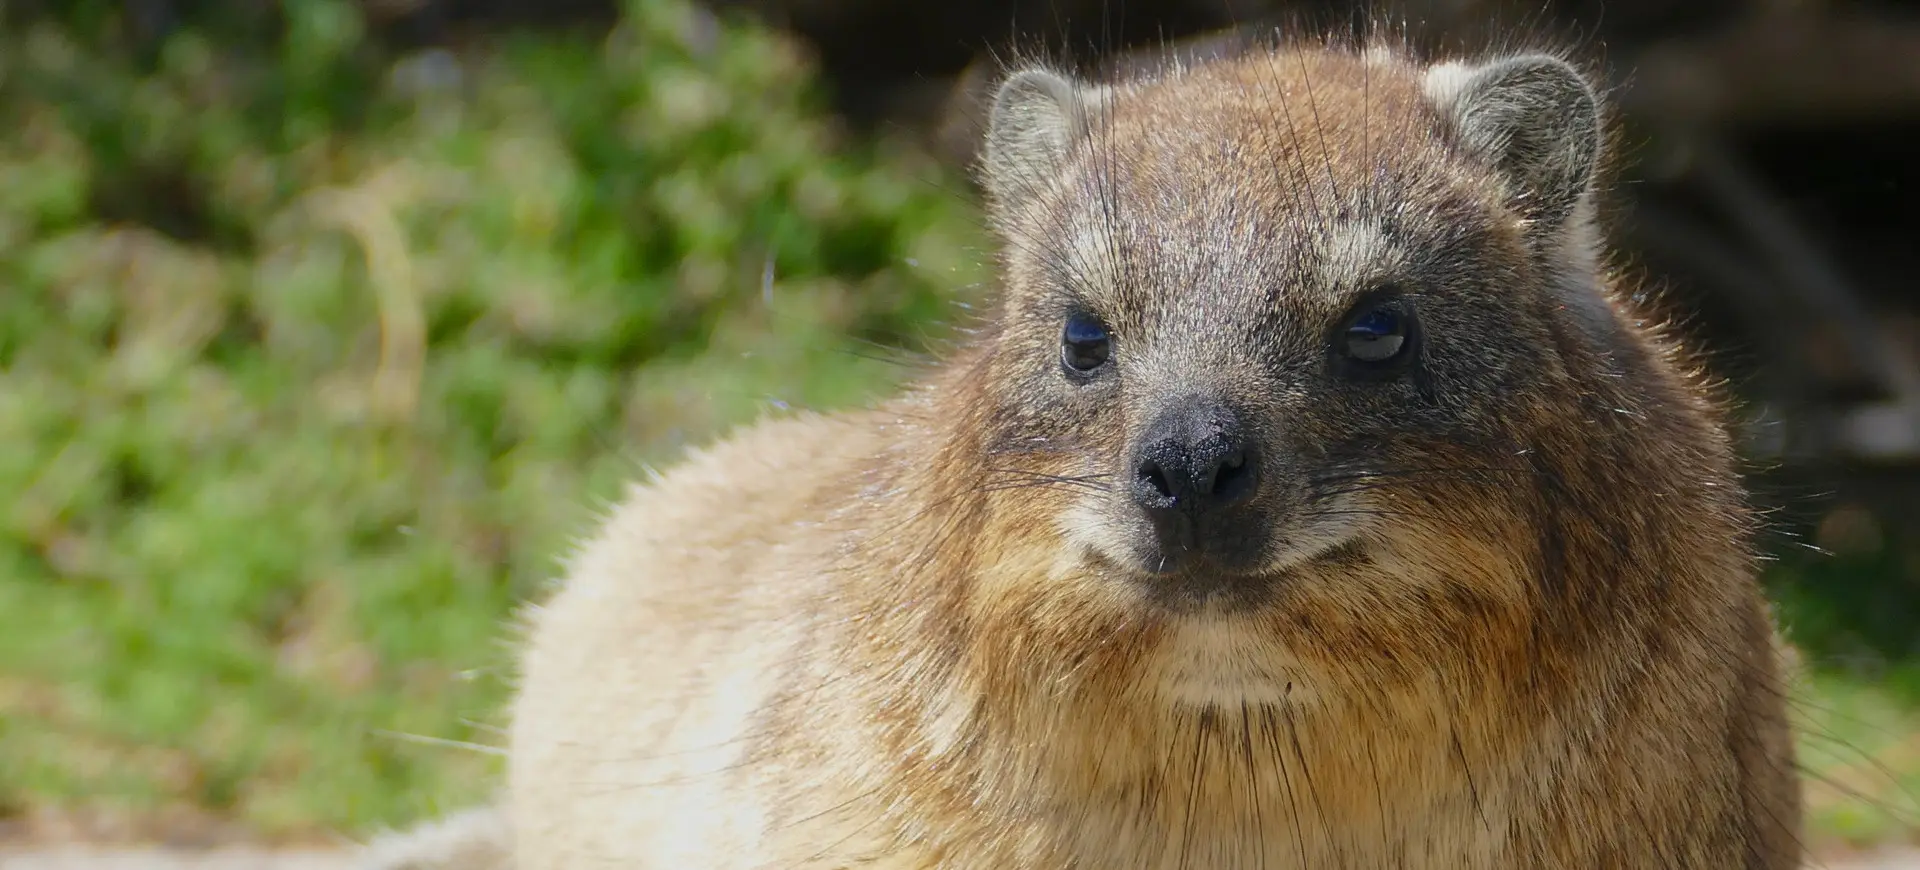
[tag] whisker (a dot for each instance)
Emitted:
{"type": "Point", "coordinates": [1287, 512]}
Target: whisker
{"type": "Point", "coordinates": [1057, 478]}
{"type": "Point", "coordinates": [1356, 474]}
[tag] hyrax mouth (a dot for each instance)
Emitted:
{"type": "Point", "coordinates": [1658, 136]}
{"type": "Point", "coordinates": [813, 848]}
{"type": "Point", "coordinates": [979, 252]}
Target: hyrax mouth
{"type": "Point", "coordinates": [1204, 582]}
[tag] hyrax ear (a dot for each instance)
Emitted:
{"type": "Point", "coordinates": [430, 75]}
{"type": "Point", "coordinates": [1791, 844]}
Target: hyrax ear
{"type": "Point", "coordinates": [1534, 118]}
{"type": "Point", "coordinates": [1037, 117]}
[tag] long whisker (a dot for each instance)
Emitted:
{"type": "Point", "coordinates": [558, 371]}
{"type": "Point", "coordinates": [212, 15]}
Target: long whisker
{"type": "Point", "coordinates": [1028, 484]}
{"type": "Point", "coordinates": [1096, 480]}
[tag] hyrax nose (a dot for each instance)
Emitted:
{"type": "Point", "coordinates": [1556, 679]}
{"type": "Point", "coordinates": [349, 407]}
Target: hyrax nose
{"type": "Point", "coordinates": [1194, 458]}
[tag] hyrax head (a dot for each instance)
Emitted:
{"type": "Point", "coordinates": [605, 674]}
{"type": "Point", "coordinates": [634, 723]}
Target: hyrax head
{"type": "Point", "coordinates": [1291, 314]}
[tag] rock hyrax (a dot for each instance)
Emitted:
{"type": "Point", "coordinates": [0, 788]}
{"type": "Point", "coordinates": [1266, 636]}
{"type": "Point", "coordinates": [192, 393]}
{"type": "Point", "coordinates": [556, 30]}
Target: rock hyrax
{"type": "Point", "coordinates": [1312, 498]}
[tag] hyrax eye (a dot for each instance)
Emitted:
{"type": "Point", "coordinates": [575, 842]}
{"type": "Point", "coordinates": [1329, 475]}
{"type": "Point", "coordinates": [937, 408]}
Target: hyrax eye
{"type": "Point", "coordinates": [1084, 344]}
{"type": "Point", "coordinates": [1377, 334]}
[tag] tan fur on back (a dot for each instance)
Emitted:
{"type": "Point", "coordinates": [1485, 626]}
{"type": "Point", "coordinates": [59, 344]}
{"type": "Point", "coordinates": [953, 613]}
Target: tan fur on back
{"type": "Point", "coordinates": [894, 638]}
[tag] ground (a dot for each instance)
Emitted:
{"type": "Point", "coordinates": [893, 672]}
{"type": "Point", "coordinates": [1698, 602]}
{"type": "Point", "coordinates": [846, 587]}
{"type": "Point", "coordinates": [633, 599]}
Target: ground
{"type": "Point", "coordinates": [141, 859]}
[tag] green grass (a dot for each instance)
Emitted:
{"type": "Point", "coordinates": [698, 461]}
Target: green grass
{"type": "Point", "coordinates": [310, 374]}
{"type": "Point", "coordinates": [315, 359]}
{"type": "Point", "coordinates": [1861, 747]}
{"type": "Point", "coordinates": [1852, 614]}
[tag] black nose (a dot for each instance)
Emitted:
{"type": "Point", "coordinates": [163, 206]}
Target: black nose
{"type": "Point", "coordinates": [1194, 460]}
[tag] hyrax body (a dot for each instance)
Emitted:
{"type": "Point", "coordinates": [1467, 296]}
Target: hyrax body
{"type": "Point", "coordinates": [1310, 500]}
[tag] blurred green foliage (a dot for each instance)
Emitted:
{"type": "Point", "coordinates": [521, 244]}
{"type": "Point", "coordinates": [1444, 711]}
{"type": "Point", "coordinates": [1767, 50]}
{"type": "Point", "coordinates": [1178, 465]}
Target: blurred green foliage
{"type": "Point", "coordinates": [315, 357]}
{"type": "Point", "coordinates": [1846, 588]}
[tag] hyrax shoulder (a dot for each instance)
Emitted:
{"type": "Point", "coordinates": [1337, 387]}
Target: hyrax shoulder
{"type": "Point", "coordinates": [1310, 500]}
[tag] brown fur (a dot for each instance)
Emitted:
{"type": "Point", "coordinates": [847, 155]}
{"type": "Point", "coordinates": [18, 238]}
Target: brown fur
{"type": "Point", "coordinates": [1505, 615]}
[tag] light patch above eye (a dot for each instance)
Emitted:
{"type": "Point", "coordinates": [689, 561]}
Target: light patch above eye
{"type": "Point", "coordinates": [1089, 252]}
{"type": "Point", "coordinates": [1358, 254]}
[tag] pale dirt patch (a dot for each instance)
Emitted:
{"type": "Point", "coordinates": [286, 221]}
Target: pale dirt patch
{"type": "Point", "coordinates": [88, 858]}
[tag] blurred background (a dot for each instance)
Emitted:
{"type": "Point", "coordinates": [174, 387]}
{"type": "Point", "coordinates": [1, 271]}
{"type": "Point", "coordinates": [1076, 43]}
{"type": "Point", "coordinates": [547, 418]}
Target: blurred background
{"type": "Point", "coordinates": [324, 324]}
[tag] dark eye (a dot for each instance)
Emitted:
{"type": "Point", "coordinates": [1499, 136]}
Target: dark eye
{"type": "Point", "coordinates": [1084, 344]}
{"type": "Point", "coordinates": [1377, 334]}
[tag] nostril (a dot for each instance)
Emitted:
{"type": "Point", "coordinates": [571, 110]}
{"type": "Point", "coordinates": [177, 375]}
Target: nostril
{"type": "Point", "coordinates": [1231, 475]}
{"type": "Point", "coordinates": [1155, 478]}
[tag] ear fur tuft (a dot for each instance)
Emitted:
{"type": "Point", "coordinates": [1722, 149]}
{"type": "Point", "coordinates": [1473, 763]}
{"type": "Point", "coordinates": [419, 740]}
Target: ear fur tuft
{"type": "Point", "coordinates": [1534, 118]}
{"type": "Point", "coordinates": [1036, 118]}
